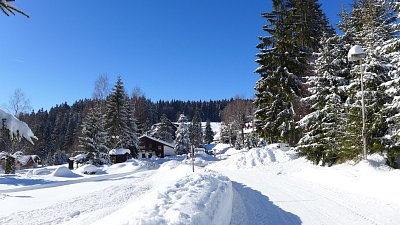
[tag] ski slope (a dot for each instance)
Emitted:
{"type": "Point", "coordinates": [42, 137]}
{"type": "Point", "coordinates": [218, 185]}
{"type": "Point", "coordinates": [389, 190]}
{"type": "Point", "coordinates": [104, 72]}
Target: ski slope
{"type": "Point", "coordinates": [260, 186]}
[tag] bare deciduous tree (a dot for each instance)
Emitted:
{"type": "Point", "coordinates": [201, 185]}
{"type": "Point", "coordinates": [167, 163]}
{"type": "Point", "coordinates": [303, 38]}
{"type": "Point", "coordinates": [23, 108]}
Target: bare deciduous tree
{"type": "Point", "coordinates": [19, 103]}
{"type": "Point", "coordinates": [235, 116]}
{"type": "Point", "coordinates": [101, 88]}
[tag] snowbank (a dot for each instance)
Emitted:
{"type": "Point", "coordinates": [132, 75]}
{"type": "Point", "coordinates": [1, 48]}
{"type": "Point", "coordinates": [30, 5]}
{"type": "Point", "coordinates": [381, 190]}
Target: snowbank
{"type": "Point", "coordinates": [257, 157]}
{"type": "Point", "coordinates": [130, 166]}
{"type": "Point", "coordinates": [38, 172]}
{"type": "Point", "coordinates": [63, 171]}
{"type": "Point", "coordinates": [181, 197]}
{"type": "Point", "coordinates": [88, 169]}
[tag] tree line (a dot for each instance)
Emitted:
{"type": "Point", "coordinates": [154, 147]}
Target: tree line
{"type": "Point", "coordinates": [60, 130]}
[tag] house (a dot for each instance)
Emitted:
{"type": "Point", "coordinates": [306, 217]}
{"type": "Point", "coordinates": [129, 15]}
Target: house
{"type": "Point", "coordinates": [27, 161]}
{"type": "Point", "coordinates": [119, 155]}
{"type": "Point", "coordinates": [150, 146]}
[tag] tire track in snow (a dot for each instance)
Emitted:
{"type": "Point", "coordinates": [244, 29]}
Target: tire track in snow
{"type": "Point", "coordinates": [333, 206]}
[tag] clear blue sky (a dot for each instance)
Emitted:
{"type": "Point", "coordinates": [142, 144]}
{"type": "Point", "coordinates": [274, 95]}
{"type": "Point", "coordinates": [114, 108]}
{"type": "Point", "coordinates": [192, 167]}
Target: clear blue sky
{"type": "Point", "coordinates": [175, 49]}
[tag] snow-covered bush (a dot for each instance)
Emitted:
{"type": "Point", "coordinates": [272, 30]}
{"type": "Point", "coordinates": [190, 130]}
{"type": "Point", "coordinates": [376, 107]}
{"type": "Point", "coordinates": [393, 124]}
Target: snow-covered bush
{"type": "Point", "coordinates": [88, 169]}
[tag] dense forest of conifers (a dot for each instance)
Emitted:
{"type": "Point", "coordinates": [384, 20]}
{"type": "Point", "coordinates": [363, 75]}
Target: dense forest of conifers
{"type": "Point", "coordinates": [60, 127]}
{"type": "Point", "coordinates": [309, 93]}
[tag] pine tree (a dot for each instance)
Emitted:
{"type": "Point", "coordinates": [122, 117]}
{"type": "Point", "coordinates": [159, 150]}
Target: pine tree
{"type": "Point", "coordinates": [164, 130]}
{"type": "Point", "coordinates": [281, 63]}
{"type": "Point", "coordinates": [182, 141]}
{"type": "Point", "coordinates": [323, 127]}
{"type": "Point", "coordinates": [94, 137]}
{"type": "Point", "coordinates": [369, 24]}
{"type": "Point", "coordinates": [117, 118]}
{"type": "Point", "coordinates": [310, 24]}
{"type": "Point", "coordinates": [195, 130]}
{"type": "Point", "coordinates": [208, 134]}
{"type": "Point", "coordinates": [224, 133]}
{"type": "Point", "coordinates": [133, 140]}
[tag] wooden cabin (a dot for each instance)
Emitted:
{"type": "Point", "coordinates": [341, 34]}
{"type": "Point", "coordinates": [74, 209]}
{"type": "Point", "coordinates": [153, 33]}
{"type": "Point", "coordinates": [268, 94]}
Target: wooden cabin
{"type": "Point", "coordinates": [119, 155]}
{"type": "Point", "coordinates": [151, 146]}
{"type": "Point", "coordinates": [27, 162]}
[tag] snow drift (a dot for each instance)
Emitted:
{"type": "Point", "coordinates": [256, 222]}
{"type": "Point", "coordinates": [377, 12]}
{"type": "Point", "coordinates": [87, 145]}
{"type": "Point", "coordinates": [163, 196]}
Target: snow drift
{"type": "Point", "coordinates": [181, 197]}
{"type": "Point", "coordinates": [257, 157]}
{"type": "Point", "coordinates": [63, 171]}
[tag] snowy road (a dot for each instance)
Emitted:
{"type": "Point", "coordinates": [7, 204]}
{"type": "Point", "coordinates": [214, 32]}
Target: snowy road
{"type": "Point", "coordinates": [279, 199]}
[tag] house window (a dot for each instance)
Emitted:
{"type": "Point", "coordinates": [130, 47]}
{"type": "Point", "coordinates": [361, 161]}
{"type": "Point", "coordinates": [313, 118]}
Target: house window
{"type": "Point", "coordinates": [159, 147]}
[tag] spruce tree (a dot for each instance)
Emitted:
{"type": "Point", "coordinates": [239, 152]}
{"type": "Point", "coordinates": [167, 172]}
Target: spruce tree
{"type": "Point", "coordinates": [310, 24]}
{"type": "Point", "coordinates": [224, 133]}
{"type": "Point", "coordinates": [132, 135]}
{"type": "Point", "coordinates": [208, 134]}
{"type": "Point", "coordinates": [182, 141]}
{"type": "Point", "coordinates": [94, 137]}
{"type": "Point", "coordinates": [195, 130]}
{"type": "Point", "coordinates": [369, 24]}
{"type": "Point", "coordinates": [323, 127]}
{"type": "Point", "coordinates": [281, 63]}
{"type": "Point", "coordinates": [164, 130]}
{"type": "Point", "coordinates": [117, 118]}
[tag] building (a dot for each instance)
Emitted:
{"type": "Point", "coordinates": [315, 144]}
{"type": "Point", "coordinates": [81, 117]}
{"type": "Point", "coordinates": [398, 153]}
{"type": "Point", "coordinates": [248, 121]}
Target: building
{"type": "Point", "coordinates": [119, 155]}
{"type": "Point", "coordinates": [27, 162]}
{"type": "Point", "coordinates": [151, 146]}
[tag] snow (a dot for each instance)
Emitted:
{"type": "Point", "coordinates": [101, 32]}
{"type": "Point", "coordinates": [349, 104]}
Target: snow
{"type": "Point", "coordinates": [63, 171]}
{"type": "Point", "coordinates": [17, 128]}
{"type": "Point", "coordinates": [88, 169]}
{"type": "Point", "coordinates": [268, 185]}
{"type": "Point", "coordinates": [119, 151]}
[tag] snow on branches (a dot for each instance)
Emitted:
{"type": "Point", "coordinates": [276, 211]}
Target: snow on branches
{"type": "Point", "coordinates": [17, 129]}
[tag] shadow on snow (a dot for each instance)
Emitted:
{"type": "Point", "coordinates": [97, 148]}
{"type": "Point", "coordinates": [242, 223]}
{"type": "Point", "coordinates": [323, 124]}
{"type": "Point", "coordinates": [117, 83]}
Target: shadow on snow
{"type": "Point", "coordinates": [250, 207]}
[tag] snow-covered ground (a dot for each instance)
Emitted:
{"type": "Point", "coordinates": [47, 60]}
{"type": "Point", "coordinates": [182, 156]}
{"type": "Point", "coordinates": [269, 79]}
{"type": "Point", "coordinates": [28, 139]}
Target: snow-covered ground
{"type": "Point", "coordinates": [261, 186]}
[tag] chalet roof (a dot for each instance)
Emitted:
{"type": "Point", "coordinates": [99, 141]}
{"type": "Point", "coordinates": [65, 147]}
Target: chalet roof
{"type": "Point", "coordinates": [158, 140]}
{"type": "Point", "coordinates": [119, 151]}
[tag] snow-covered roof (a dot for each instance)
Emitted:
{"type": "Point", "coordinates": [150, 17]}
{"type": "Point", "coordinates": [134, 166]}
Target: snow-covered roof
{"type": "Point", "coordinates": [158, 140]}
{"type": "Point", "coordinates": [119, 151]}
{"type": "Point", "coordinates": [24, 159]}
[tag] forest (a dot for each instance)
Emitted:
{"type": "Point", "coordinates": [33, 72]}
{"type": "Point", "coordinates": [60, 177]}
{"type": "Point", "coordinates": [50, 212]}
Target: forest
{"type": "Point", "coordinates": [309, 92]}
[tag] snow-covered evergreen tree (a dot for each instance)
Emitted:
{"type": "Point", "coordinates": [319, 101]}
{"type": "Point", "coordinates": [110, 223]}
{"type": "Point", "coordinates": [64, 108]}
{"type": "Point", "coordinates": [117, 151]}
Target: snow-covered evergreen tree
{"type": "Point", "coordinates": [163, 130]}
{"type": "Point", "coordinates": [195, 131]}
{"type": "Point", "coordinates": [118, 119]}
{"type": "Point", "coordinates": [182, 140]}
{"type": "Point", "coordinates": [369, 24]}
{"type": "Point", "coordinates": [208, 133]}
{"type": "Point", "coordinates": [323, 126]}
{"type": "Point", "coordinates": [281, 63]}
{"type": "Point", "coordinates": [133, 143]}
{"type": "Point", "coordinates": [94, 136]}
{"type": "Point", "coordinates": [224, 133]}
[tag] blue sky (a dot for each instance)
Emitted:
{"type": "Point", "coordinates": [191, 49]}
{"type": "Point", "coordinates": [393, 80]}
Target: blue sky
{"type": "Point", "coordinates": [175, 49]}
